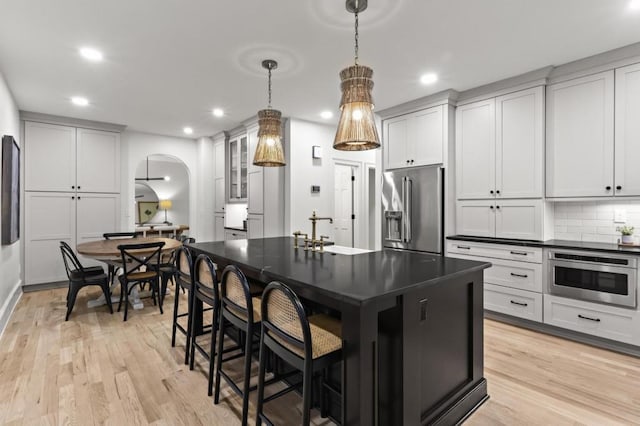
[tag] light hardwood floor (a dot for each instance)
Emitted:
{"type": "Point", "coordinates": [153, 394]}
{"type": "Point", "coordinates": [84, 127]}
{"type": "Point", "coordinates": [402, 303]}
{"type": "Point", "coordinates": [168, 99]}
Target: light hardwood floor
{"type": "Point", "coordinates": [95, 369]}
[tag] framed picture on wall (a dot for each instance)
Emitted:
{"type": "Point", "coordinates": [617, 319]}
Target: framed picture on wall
{"type": "Point", "coordinates": [10, 190]}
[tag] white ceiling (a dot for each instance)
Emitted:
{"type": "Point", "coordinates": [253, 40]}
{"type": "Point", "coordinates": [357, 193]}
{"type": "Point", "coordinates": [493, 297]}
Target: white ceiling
{"type": "Point", "coordinates": [169, 62]}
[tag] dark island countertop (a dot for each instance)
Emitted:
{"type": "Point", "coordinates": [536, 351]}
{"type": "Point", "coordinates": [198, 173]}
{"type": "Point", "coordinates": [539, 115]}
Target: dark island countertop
{"type": "Point", "coordinates": [561, 244]}
{"type": "Point", "coordinates": [352, 278]}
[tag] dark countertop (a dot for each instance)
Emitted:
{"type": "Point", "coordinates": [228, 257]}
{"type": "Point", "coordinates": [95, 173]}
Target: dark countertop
{"type": "Point", "coordinates": [350, 278]}
{"type": "Point", "coordinates": [233, 228]}
{"type": "Point", "coordinates": [562, 244]}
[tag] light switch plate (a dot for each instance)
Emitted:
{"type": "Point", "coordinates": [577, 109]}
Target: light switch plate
{"type": "Point", "coordinates": [316, 151]}
{"type": "Point", "coordinates": [620, 216]}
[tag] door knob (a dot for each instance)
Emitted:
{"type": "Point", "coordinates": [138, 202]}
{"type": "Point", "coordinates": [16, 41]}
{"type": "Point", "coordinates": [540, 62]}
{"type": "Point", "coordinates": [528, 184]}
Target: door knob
{"type": "Point", "coordinates": [608, 188]}
{"type": "Point", "coordinates": [618, 187]}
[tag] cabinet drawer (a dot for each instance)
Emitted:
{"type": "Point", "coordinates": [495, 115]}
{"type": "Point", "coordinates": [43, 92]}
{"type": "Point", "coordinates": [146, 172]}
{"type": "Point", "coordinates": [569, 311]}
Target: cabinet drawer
{"type": "Point", "coordinates": [508, 273]}
{"type": "Point", "coordinates": [498, 251]}
{"type": "Point", "coordinates": [234, 235]}
{"type": "Point", "coordinates": [510, 301]}
{"type": "Point", "coordinates": [622, 325]}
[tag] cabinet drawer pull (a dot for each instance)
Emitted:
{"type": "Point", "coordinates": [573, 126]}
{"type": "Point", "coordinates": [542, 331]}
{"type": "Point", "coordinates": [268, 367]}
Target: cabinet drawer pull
{"type": "Point", "coordinates": [519, 253]}
{"type": "Point", "coordinates": [588, 318]}
{"type": "Point", "coordinates": [464, 247]}
{"type": "Point", "coordinates": [519, 303]}
{"type": "Point", "coordinates": [519, 275]}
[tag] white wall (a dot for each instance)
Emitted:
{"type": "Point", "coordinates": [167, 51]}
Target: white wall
{"type": "Point", "coordinates": [204, 203]}
{"type": "Point", "coordinates": [302, 171]}
{"type": "Point", "coordinates": [10, 282]}
{"type": "Point", "coordinates": [594, 221]}
{"type": "Point", "coordinates": [136, 146]}
{"type": "Point", "coordinates": [176, 189]}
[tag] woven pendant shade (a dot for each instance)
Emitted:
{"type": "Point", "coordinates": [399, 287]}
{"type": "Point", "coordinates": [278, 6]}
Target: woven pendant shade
{"type": "Point", "coordinates": [269, 152]}
{"type": "Point", "coordinates": [357, 127]}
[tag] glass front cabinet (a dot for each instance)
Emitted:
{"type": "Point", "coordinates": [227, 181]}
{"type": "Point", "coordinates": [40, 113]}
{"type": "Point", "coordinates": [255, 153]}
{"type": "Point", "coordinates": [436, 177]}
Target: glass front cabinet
{"type": "Point", "coordinates": [238, 168]}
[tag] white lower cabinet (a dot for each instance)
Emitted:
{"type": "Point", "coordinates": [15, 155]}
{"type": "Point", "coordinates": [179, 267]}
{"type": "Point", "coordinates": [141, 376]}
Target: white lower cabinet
{"type": "Point", "coordinates": [619, 324]}
{"type": "Point", "coordinates": [510, 301]}
{"type": "Point", "coordinates": [513, 219]}
{"type": "Point", "coordinates": [52, 217]}
{"type": "Point", "coordinates": [511, 287]}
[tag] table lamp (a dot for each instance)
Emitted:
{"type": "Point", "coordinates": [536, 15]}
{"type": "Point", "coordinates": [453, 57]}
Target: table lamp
{"type": "Point", "coordinates": [165, 205]}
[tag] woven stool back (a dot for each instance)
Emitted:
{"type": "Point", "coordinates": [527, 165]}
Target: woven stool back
{"type": "Point", "coordinates": [284, 318]}
{"type": "Point", "coordinates": [205, 280]}
{"type": "Point", "coordinates": [235, 295]}
{"type": "Point", "coordinates": [184, 267]}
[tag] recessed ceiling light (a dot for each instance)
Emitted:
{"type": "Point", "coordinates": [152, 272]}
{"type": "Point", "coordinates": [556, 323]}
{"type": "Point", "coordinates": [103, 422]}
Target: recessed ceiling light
{"type": "Point", "coordinates": [80, 101]}
{"type": "Point", "coordinates": [91, 54]}
{"type": "Point", "coordinates": [634, 4]}
{"type": "Point", "coordinates": [187, 130]}
{"type": "Point", "coordinates": [326, 114]}
{"type": "Point", "coordinates": [218, 112]}
{"type": "Point", "coordinates": [429, 78]}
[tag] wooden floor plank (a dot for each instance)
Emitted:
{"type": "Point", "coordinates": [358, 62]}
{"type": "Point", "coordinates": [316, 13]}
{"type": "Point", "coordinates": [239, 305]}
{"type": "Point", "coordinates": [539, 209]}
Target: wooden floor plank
{"type": "Point", "coordinates": [96, 369]}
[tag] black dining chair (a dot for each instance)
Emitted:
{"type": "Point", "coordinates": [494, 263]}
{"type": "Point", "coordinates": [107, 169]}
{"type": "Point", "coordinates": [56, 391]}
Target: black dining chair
{"type": "Point", "coordinates": [309, 344]}
{"type": "Point", "coordinates": [80, 276]}
{"type": "Point", "coordinates": [140, 264]}
{"type": "Point", "coordinates": [112, 269]}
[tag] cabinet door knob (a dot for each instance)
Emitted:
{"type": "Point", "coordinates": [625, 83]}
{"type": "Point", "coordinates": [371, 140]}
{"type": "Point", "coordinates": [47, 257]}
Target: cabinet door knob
{"type": "Point", "coordinates": [78, 186]}
{"type": "Point", "coordinates": [73, 198]}
{"type": "Point", "coordinates": [608, 188]}
{"type": "Point", "coordinates": [411, 161]}
{"type": "Point", "coordinates": [491, 207]}
{"type": "Point", "coordinates": [498, 191]}
{"type": "Point", "coordinates": [73, 187]}
{"type": "Point", "coordinates": [618, 187]}
{"type": "Point", "coordinates": [498, 207]}
{"type": "Point", "coordinates": [491, 192]}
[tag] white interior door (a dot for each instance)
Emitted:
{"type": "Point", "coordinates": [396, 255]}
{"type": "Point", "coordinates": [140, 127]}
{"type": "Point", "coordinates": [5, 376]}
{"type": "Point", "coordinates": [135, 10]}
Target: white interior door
{"type": "Point", "coordinates": [344, 205]}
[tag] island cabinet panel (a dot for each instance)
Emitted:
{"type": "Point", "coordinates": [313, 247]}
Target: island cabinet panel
{"type": "Point", "coordinates": [442, 336]}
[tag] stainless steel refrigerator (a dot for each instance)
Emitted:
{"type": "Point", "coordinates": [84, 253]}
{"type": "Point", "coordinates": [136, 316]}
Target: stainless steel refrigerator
{"type": "Point", "coordinates": [413, 214]}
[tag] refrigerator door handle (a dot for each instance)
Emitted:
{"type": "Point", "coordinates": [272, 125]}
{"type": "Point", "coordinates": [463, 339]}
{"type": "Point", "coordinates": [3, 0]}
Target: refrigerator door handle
{"type": "Point", "coordinates": [408, 205]}
{"type": "Point", "coordinates": [403, 229]}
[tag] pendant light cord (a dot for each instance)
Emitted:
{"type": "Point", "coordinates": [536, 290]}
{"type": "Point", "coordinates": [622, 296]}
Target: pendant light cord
{"type": "Point", "coordinates": [269, 106]}
{"type": "Point", "coordinates": [356, 37]}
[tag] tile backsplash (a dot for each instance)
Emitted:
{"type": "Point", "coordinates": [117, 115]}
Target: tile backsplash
{"type": "Point", "coordinates": [594, 221]}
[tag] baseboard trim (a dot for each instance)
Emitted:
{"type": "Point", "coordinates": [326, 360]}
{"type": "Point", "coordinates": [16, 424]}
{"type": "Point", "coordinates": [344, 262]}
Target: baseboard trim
{"type": "Point", "coordinates": [587, 339]}
{"type": "Point", "coordinates": [45, 286]}
{"type": "Point", "coordinates": [9, 306]}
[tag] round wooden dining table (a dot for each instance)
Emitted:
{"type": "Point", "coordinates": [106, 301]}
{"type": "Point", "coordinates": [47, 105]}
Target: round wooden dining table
{"type": "Point", "coordinates": [107, 251]}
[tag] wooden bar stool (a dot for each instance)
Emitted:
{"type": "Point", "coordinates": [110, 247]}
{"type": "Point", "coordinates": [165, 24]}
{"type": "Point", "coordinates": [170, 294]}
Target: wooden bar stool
{"type": "Point", "coordinates": [205, 289]}
{"type": "Point", "coordinates": [310, 344]}
{"type": "Point", "coordinates": [183, 280]}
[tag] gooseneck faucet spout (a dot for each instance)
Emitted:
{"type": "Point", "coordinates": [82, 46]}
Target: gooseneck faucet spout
{"type": "Point", "coordinates": [314, 219]}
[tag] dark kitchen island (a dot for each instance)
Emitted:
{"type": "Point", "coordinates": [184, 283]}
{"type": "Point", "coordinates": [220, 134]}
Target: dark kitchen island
{"type": "Point", "coordinates": [412, 324]}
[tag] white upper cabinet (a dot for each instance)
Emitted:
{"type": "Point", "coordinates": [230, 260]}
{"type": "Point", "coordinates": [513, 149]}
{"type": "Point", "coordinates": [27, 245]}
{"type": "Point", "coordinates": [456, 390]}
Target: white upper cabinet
{"type": "Point", "coordinates": [255, 202]}
{"type": "Point", "coordinates": [520, 144]}
{"type": "Point", "coordinates": [500, 147]}
{"type": "Point", "coordinates": [219, 176]}
{"type": "Point", "coordinates": [627, 128]}
{"type": "Point", "coordinates": [98, 161]}
{"type": "Point", "coordinates": [415, 139]}
{"type": "Point", "coordinates": [66, 159]}
{"type": "Point", "coordinates": [50, 157]}
{"type": "Point", "coordinates": [580, 138]}
{"type": "Point", "coordinates": [475, 150]}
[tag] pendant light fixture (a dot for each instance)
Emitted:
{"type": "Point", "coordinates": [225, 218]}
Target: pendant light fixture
{"type": "Point", "coordinates": [269, 152]}
{"type": "Point", "coordinates": [357, 127]}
